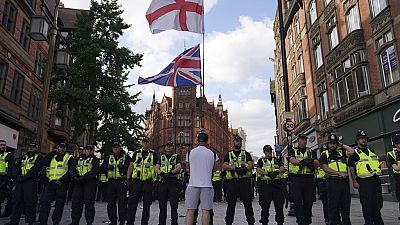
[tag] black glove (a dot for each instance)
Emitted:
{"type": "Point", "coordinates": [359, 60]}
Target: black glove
{"type": "Point", "coordinates": [241, 171]}
{"type": "Point", "coordinates": [308, 161]}
{"type": "Point", "coordinates": [273, 175]}
{"type": "Point", "coordinates": [163, 175]}
{"type": "Point", "coordinates": [110, 167]}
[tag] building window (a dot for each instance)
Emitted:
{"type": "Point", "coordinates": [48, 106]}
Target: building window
{"type": "Point", "coordinates": [16, 90]}
{"type": "Point", "coordinates": [294, 74]}
{"type": "Point", "coordinates": [300, 63]}
{"type": "Point", "coordinates": [290, 39]}
{"type": "Point", "coordinates": [25, 39]}
{"type": "Point", "coordinates": [197, 121]}
{"type": "Point", "coordinates": [353, 19]}
{"type": "Point", "coordinates": [187, 121]}
{"type": "Point", "coordinates": [3, 73]}
{"type": "Point", "coordinates": [187, 138]}
{"type": "Point", "coordinates": [180, 105]}
{"type": "Point", "coordinates": [31, 3]}
{"type": "Point", "coordinates": [9, 17]}
{"type": "Point", "coordinates": [377, 6]}
{"type": "Point", "coordinates": [34, 104]}
{"type": "Point", "coordinates": [323, 100]}
{"type": "Point", "coordinates": [180, 121]}
{"type": "Point", "coordinates": [300, 105]}
{"type": "Point", "coordinates": [318, 55]}
{"type": "Point", "coordinates": [387, 59]}
{"type": "Point", "coordinates": [327, 2]}
{"type": "Point", "coordinates": [297, 26]}
{"type": "Point", "coordinates": [40, 66]}
{"type": "Point", "coordinates": [187, 105]}
{"type": "Point", "coordinates": [180, 137]}
{"type": "Point", "coordinates": [313, 11]}
{"type": "Point", "coordinates": [332, 33]}
{"type": "Point", "coordinates": [351, 80]}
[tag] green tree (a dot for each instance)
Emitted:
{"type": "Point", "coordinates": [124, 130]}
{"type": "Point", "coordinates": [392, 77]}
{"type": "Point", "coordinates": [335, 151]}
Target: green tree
{"type": "Point", "coordinates": [94, 86]}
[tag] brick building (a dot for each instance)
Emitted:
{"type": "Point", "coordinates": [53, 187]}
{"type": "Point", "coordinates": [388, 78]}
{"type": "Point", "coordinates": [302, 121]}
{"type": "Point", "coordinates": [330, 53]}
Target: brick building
{"type": "Point", "coordinates": [178, 119]}
{"type": "Point", "coordinates": [22, 68]}
{"type": "Point", "coordinates": [343, 70]}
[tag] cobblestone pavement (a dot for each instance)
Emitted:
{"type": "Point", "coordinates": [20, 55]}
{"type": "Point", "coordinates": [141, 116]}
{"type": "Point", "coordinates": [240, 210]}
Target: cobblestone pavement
{"type": "Point", "coordinates": [390, 214]}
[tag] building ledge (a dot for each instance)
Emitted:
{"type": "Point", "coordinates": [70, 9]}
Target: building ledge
{"type": "Point", "coordinates": [353, 109]}
{"type": "Point", "coordinates": [303, 125]}
{"type": "Point", "coordinates": [298, 82]}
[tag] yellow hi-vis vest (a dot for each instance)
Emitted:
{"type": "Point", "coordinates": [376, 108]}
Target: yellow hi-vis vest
{"type": "Point", "coordinates": [294, 169]}
{"type": "Point", "coordinates": [268, 166]}
{"type": "Point", "coordinates": [103, 178]}
{"type": "Point", "coordinates": [168, 165]}
{"type": "Point", "coordinates": [237, 162]}
{"type": "Point", "coordinates": [115, 173]}
{"type": "Point", "coordinates": [84, 166]}
{"type": "Point", "coordinates": [393, 154]}
{"type": "Point", "coordinates": [320, 173]}
{"type": "Point", "coordinates": [3, 163]}
{"type": "Point", "coordinates": [336, 165]}
{"type": "Point", "coordinates": [27, 163]}
{"type": "Point", "coordinates": [143, 169]}
{"type": "Point", "coordinates": [216, 176]}
{"type": "Point", "coordinates": [372, 160]}
{"type": "Point", "coordinates": [58, 169]}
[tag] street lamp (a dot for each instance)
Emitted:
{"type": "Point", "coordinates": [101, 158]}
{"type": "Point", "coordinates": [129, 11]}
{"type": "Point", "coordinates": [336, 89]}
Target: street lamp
{"type": "Point", "coordinates": [39, 32]}
{"type": "Point", "coordinates": [62, 59]}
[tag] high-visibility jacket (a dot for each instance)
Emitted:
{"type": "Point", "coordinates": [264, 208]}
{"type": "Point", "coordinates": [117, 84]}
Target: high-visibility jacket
{"type": "Point", "coordinates": [295, 169]}
{"type": "Point", "coordinates": [393, 154]}
{"type": "Point", "coordinates": [115, 173]}
{"type": "Point", "coordinates": [320, 174]}
{"type": "Point", "coordinates": [27, 163]}
{"type": "Point", "coordinates": [3, 163]}
{"type": "Point", "coordinates": [84, 165]}
{"type": "Point", "coordinates": [336, 165]}
{"type": "Point", "coordinates": [143, 169]}
{"type": "Point", "coordinates": [167, 165]}
{"type": "Point", "coordinates": [237, 162]}
{"type": "Point", "coordinates": [103, 178]}
{"type": "Point", "coordinates": [216, 176]}
{"type": "Point", "coordinates": [58, 169]}
{"type": "Point", "coordinates": [368, 165]}
{"type": "Point", "coordinates": [268, 166]}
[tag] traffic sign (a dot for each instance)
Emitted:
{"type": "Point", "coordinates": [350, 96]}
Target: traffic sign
{"type": "Point", "coordinates": [288, 126]}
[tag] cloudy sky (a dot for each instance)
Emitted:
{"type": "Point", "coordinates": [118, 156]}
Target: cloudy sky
{"type": "Point", "coordinates": [238, 45]}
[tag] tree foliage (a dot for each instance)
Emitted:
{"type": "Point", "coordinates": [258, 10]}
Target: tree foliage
{"type": "Point", "coordinates": [94, 86]}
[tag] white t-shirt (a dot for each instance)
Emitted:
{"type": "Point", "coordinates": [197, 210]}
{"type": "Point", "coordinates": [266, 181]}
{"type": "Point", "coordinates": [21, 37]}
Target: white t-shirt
{"type": "Point", "coordinates": [201, 161]}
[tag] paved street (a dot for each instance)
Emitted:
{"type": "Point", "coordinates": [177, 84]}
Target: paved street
{"type": "Point", "coordinates": [390, 214]}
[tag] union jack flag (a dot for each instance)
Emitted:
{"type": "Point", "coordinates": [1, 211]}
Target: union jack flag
{"type": "Point", "coordinates": [184, 70]}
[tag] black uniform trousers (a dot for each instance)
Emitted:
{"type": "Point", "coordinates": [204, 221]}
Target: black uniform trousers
{"type": "Point", "coordinates": [101, 191]}
{"type": "Point", "coordinates": [137, 190]}
{"type": "Point", "coordinates": [168, 191]}
{"type": "Point", "coordinates": [53, 192]}
{"type": "Point", "coordinates": [397, 183]}
{"type": "Point", "coordinates": [239, 188]}
{"type": "Point", "coordinates": [271, 191]}
{"type": "Point", "coordinates": [323, 195]}
{"type": "Point", "coordinates": [370, 192]}
{"type": "Point", "coordinates": [84, 194]}
{"type": "Point", "coordinates": [116, 192]}
{"type": "Point", "coordinates": [302, 190]}
{"type": "Point", "coordinates": [25, 194]}
{"type": "Point", "coordinates": [339, 200]}
{"type": "Point", "coordinates": [3, 189]}
{"type": "Point", "coordinates": [217, 191]}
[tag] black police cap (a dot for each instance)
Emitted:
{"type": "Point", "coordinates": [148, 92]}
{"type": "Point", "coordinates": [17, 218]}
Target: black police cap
{"type": "Point", "coordinates": [237, 138]}
{"type": "Point", "coordinates": [267, 148]}
{"type": "Point", "coordinates": [332, 138]}
{"type": "Point", "coordinates": [62, 145]}
{"type": "Point", "coordinates": [302, 136]}
{"type": "Point", "coordinates": [202, 137]}
{"type": "Point", "coordinates": [170, 143]}
{"type": "Point", "coordinates": [146, 139]}
{"type": "Point", "coordinates": [116, 144]}
{"type": "Point", "coordinates": [33, 145]}
{"type": "Point", "coordinates": [396, 139]}
{"type": "Point", "coordinates": [91, 147]}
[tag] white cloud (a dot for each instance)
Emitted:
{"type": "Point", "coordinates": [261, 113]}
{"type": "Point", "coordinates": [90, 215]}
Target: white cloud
{"type": "Point", "coordinates": [257, 117]}
{"type": "Point", "coordinates": [241, 53]}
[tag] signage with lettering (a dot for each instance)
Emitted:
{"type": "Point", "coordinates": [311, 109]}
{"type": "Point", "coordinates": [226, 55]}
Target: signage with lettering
{"type": "Point", "coordinates": [396, 116]}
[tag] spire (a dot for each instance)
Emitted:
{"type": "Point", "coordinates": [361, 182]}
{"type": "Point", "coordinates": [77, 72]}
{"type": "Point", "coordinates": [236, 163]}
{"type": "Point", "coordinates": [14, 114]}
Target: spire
{"type": "Point", "coordinates": [154, 96]}
{"type": "Point", "coordinates": [220, 106]}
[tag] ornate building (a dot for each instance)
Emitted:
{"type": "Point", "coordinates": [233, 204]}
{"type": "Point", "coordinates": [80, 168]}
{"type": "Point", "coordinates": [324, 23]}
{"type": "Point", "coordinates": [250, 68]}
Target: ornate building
{"type": "Point", "coordinates": [178, 119]}
{"type": "Point", "coordinates": [343, 70]}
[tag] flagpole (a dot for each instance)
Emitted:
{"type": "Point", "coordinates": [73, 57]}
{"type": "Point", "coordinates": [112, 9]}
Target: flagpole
{"type": "Point", "coordinates": [203, 75]}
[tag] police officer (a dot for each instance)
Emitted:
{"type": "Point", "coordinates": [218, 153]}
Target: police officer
{"type": "Point", "coordinates": [303, 162]}
{"type": "Point", "coordinates": [141, 176]}
{"type": "Point", "coordinates": [25, 192]}
{"type": "Point", "coordinates": [393, 160]}
{"type": "Point", "coordinates": [269, 186]}
{"type": "Point", "coordinates": [84, 174]}
{"type": "Point", "coordinates": [320, 179]}
{"type": "Point", "coordinates": [6, 170]}
{"type": "Point", "coordinates": [168, 167]}
{"type": "Point", "coordinates": [58, 170]}
{"type": "Point", "coordinates": [116, 166]}
{"type": "Point", "coordinates": [334, 163]}
{"type": "Point", "coordinates": [101, 185]}
{"type": "Point", "coordinates": [365, 170]}
{"type": "Point", "coordinates": [238, 164]}
{"type": "Point", "coordinates": [216, 182]}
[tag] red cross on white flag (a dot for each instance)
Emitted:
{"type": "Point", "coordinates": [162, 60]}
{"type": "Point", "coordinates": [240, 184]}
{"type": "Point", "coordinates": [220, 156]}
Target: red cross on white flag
{"type": "Point", "coordinates": [183, 15]}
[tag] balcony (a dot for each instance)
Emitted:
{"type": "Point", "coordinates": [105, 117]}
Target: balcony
{"type": "Point", "coordinates": [353, 109]}
{"type": "Point", "coordinates": [381, 21]}
{"type": "Point", "coordinates": [298, 82]}
{"type": "Point", "coordinates": [355, 40]}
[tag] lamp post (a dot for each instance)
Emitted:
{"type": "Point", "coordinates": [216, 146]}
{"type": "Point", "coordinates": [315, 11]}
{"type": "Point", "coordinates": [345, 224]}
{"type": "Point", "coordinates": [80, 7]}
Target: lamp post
{"type": "Point", "coordinates": [39, 31]}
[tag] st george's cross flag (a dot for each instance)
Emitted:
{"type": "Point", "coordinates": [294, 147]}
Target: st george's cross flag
{"type": "Point", "coordinates": [184, 70]}
{"type": "Point", "coordinates": [182, 15]}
